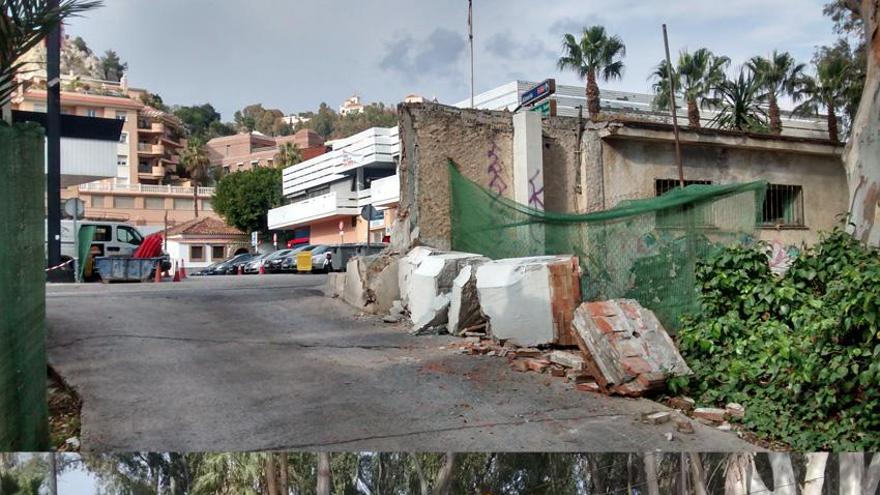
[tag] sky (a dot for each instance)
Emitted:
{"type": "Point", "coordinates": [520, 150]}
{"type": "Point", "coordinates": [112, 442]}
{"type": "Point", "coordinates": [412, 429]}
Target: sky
{"type": "Point", "coordinates": [295, 54]}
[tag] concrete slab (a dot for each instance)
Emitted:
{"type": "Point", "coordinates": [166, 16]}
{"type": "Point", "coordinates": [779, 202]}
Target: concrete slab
{"type": "Point", "coordinates": [464, 306]}
{"type": "Point", "coordinates": [530, 300]}
{"type": "Point", "coordinates": [407, 266]}
{"type": "Point", "coordinates": [354, 289]}
{"type": "Point", "coordinates": [430, 287]}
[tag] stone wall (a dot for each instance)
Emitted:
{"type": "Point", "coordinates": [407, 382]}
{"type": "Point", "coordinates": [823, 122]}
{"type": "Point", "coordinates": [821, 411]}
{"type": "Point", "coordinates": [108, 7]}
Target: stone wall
{"type": "Point", "coordinates": [479, 141]}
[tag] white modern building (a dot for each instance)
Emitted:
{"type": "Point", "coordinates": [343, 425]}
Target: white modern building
{"type": "Point", "coordinates": [327, 194]}
{"type": "Point", "coordinates": [569, 98]}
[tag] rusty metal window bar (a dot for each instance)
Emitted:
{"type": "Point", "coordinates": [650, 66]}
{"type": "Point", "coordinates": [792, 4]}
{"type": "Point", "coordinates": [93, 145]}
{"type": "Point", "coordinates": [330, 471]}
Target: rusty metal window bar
{"type": "Point", "coordinates": [673, 219]}
{"type": "Point", "coordinates": [783, 206]}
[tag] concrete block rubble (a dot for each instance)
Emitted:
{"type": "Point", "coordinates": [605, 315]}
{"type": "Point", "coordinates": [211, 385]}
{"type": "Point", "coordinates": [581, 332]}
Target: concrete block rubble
{"type": "Point", "coordinates": [527, 310]}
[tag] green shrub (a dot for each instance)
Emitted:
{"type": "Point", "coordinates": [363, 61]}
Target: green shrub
{"type": "Point", "coordinates": [801, 352]}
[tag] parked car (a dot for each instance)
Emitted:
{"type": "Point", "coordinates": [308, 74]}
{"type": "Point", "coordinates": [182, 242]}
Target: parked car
{"type": "Point", "coordinates": [322, 259]}
{"type": "Point", "coordinates": [343, 252]}
{"type": "Point", "coordinates": [288, 262]}
{"type": "Point", "coordinates": [253, 265]}
{"type": "Point", "coordinates": [208, 270]}
{"type": "Point", "coordinates": [241, 262]}
{"type": "Point", "coordinates": [227, 267]}
{"type": "Point", "coordinates": [273, 261]}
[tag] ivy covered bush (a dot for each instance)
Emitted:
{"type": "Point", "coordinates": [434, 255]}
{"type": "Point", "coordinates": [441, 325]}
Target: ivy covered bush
{"type": "Point", "coordinates": [801, 352]}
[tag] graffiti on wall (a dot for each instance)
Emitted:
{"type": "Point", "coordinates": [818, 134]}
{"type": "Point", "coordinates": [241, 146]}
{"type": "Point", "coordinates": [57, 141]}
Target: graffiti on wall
{"type": "Point", "coordinates": [536, 191]}
{"type": "Point", "coordinates": [496, 182]}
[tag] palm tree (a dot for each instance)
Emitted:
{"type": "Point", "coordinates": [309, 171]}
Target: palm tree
{"type": "Point", "coordinates": [24, 24]}
{"type": "Point", "coordinates": [288, 154]}
{"type": "Point", "coordinates": [595, 54]}
{"type": "Point", "coordinates": [696, 77]}
{"type": "Point", "coordinates": [197, 163]}
{"type": "Point", "coordinates": [830, 89]}
{"type": "Point", "coordinates": [778, 75]}
{"type": "Point", "coordinates": [740, 103]}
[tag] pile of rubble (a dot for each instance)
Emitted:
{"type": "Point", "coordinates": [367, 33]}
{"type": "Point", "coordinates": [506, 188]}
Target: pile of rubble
{"type": "Point", "coordinates": [528, 310]}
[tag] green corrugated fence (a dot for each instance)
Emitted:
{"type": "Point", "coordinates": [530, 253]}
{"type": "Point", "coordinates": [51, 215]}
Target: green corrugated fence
{"type": "Point", "coordinates": [23, 408]}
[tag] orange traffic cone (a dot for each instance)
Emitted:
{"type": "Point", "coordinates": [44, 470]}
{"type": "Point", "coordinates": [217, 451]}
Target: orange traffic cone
{"type": "Point", "coordinates": [240, 270]}
{"type": "Point", "coordinates": [262, 269]}
{"type": "Point", "coordinates": [182, 270]}
{"type": "Point", "coordinates": [176, 274]}
{"type": "Point", "coordinates": [158, 278]}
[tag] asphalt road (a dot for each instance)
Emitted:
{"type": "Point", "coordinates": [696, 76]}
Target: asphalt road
{"type": "Point", "coordinates": [267, 362]}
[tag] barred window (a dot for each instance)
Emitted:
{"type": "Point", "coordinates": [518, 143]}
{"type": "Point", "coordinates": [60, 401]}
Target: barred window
{"type": "Point", "coordinates": [783, 206]}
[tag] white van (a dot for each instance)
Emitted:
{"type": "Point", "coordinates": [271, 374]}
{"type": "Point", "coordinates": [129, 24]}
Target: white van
{"type": "Point", "coordinates": [111, 238]}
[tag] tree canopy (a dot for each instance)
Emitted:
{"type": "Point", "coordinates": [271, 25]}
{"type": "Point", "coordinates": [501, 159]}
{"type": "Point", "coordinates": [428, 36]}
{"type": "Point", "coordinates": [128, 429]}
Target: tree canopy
{"type": "Point", "coordinates": [244, 198]}
{"type": "Point", "coordinates": [267, 121]}
{"type": "Point", "coordinates": [202, 121]}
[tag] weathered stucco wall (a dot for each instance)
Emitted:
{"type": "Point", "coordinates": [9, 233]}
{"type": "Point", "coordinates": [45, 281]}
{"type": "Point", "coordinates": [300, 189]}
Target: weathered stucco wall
{"type": "Point", "coordinates": [593, 166]}
{"type": "Point", "coordinates": [632, 166]}
{"type": "Point", "coordinates": [479, 141]}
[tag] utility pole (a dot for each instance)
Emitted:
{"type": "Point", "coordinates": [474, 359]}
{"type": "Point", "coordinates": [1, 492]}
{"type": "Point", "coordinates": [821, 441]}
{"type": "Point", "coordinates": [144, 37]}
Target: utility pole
{"type": "Point", "coordinates": [670, 74]}
{"type": "Point", "coordinates": [53, 143]}
{"type": "Point", "coordinates": [471, 39]}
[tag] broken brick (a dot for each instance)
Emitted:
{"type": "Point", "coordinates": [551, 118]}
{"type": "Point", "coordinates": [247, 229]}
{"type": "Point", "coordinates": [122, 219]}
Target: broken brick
{"type": "Point", "coordinates": [682, 403]}
{"type": "Point", "coordinates": [735, 410]}
{"type": "Point", "coordinates": [587, 387]}
{"type": "Point", "coordinates": [519, 365]}
{"type": "Point", "coordinates": [657, 418]}
{"type": "Point", "coordinates": [684, 426]}
{"type": "Point", "coordinates": [712, 414]}
{"type": "Point", "coordinates": [538, 365]}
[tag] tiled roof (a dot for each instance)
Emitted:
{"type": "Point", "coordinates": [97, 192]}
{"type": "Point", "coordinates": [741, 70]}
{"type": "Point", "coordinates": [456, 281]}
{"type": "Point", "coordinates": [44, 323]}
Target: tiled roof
{"type": "Point", "coordinates": [204, 226]}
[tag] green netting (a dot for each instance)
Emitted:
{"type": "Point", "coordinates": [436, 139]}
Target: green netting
{"type": "Point", "coordinates": [23, 408]}
{"type": "Point", "coordinates": [643, 249]}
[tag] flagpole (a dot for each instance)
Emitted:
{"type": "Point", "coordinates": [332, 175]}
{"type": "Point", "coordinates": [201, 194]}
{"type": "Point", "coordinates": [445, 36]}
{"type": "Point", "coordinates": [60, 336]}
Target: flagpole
{"type": "Point", "coordinates": [471, 39]}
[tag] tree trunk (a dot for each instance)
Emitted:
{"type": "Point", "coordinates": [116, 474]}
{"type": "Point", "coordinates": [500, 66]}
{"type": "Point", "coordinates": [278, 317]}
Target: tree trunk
{"type": "Point", "coordinates": [650, 474]}
{"type": "Point", "coordinates": [592, 96]}
{"type": "Point", "coordinates": [773, 111]}
{"type": "Point", "coordinates": [596, 475]}
{"type": "Point", "coordinates": [444, 477]}
{"type": "Point", "coordinates": [271, 474]}
{"type": "Point", "coordinates": [862, 156]}
{"type": "Point", "coordinates": [833, 133]}
{"type": "Point", "coordinates": [323, 487]}
{"type": "Point", "coordinates": [424, 486]}
{"type": "Point", "coordinates": [53, 475]}
{"type": "Point", "coordinates": [814, 478]}
{"type": "Point", "coordinates": [698, 476]}
{"type": "Point", "coordinates": [282, 467]}
{"type": "Point", "coordinates": [852, 471]}
{"type": "Point", "coordinates": [693, 114]}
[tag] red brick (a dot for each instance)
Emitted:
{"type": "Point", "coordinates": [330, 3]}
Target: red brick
{"type": "Point", "coordinates": [635, 365]}
{"type": "Point", "coordinates": [588, 387]}
{"type": "Point", "coordinates": [519, 365]}
{"type": "Point", "coordinates": [712, 414]}
{"type": "Point", "coordinates": [538, 365]}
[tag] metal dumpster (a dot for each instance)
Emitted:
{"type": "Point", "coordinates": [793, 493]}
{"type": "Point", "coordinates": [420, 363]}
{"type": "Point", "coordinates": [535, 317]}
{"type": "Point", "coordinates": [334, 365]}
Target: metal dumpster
{"type": "Point", "coordinates": [122, 269]}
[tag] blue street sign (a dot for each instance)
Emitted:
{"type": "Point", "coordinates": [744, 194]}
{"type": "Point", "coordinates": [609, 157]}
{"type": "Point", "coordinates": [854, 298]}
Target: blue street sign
{"type": "Point", "coordinates": [539, 92]}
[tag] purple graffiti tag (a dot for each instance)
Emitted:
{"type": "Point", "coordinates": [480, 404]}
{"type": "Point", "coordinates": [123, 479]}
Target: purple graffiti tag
{"type": "Point", "coordinates": [536, 195]}
{"type": "Point", "coordinates": [494, 170]}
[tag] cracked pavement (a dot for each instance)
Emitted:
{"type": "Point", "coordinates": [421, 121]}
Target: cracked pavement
{"type": "Point", "coordinates": [267, 362]}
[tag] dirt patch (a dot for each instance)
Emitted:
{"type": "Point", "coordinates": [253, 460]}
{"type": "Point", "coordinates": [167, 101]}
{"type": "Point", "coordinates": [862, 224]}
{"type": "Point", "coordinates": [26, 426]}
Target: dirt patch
{"type": "Point", "coordinates": [65, 408]}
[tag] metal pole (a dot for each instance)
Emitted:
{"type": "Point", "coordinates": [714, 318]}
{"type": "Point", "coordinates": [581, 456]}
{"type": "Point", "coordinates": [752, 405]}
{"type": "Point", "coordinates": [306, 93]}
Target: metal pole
{"type": "Point", "coordinates": [75, 241]}
{"type": "Point", "coordinates": [471, 38]}
{"type": "Point", "coordinates": [670, 73]}
{"type": "Point", "coordinates": [53, 143]}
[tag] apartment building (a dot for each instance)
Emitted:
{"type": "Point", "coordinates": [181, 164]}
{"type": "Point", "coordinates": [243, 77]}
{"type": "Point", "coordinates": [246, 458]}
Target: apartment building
{"type": "Point", "coordinates": [247, 150]}
{"type": "Point", "coordinates": [148, 181]}
{"type": "Point", "coordinates": [328, 193]}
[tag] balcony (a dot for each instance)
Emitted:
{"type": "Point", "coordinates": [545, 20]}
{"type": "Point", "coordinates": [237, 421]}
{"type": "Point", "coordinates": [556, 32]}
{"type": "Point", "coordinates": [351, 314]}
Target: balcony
{"type": "Point", "coordinates": [150, 171]}
{"type": "Point", "coordinates": [320, 207]}
{"type": "Point", "coordinates": [385, 192]}
{"type": "Point", "coordinates": [150, 149]}
{"type": "Point", "coordinates": [147, 189]}
{"type": "Point", "coordinates": [145, 126]}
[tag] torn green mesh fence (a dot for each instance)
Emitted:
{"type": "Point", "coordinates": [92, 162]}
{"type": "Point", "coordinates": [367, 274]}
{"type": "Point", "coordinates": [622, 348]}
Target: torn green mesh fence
{"type": "Point", "coordinates": [645, 249]}
{"type": "Point", "coordinates": [23, 408]}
